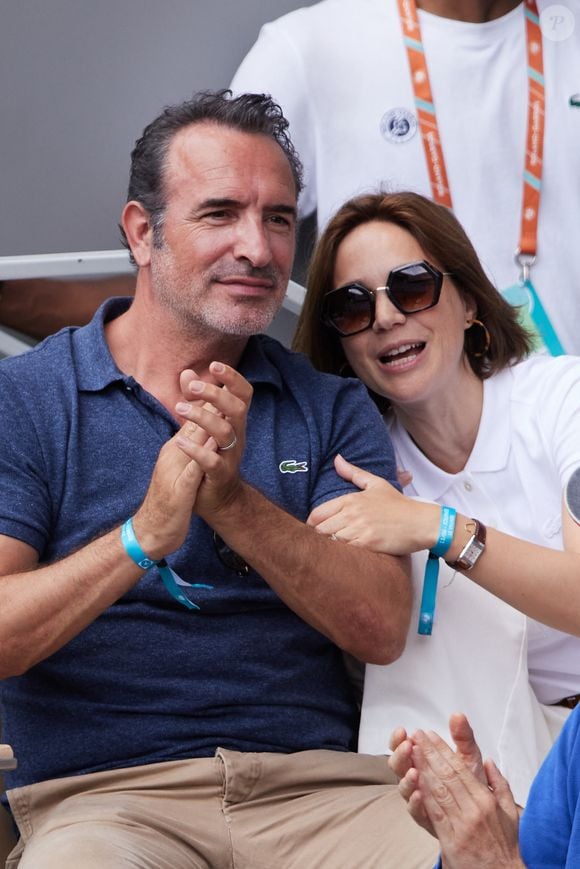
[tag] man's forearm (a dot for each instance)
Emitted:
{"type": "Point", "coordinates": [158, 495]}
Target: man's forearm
{"type": "Point", "coordinates": [45, 608]}
{"type": "Point", "coordinates": [361, 600]}
{"type": "Point", "coordinates": [40, 307]}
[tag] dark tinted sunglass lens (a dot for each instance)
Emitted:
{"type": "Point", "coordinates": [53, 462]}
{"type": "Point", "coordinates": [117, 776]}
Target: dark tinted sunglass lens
{"type": "Point", "coordinates": [349, 309]}
{"type": "Point", "coordinates": [228, 557]}
{"type": "Point", "coordinates": [413, 288]}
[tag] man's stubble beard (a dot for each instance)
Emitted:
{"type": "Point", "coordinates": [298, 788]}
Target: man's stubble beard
{"type": "Point", "coordinates": [194, 310]}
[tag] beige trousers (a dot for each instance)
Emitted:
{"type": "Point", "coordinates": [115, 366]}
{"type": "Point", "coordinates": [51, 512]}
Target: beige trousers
{"type": "Point", "coordinates": [309, 810]}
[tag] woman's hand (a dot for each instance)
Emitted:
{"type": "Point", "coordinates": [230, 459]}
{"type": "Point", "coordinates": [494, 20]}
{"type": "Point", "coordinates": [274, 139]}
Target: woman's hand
{"type": "Point", "coordinates": [378, 517]}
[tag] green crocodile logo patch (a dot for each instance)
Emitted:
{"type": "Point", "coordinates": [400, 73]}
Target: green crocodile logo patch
{"type": "Point", "coordinates": [291, 466]}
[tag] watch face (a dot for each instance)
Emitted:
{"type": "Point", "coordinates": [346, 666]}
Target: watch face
{"type": "Point", "coordinates": [572, 496]}
{"type": "Point", "coordinates": [473, 552]}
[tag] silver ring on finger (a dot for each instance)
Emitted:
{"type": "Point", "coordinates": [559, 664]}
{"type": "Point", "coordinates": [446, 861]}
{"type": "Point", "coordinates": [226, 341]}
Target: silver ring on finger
{"type": "Point", "coordinates": [229, 446]}
{"type": "Point", "coordinates": [333, 537]}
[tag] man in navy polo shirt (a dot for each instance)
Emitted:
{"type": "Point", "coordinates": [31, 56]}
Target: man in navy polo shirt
{"type": "Point", "coordinates": [170, 629]}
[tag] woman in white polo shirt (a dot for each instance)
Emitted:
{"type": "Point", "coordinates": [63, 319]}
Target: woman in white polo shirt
{"type": "Point", "coordinates": [398, 297]}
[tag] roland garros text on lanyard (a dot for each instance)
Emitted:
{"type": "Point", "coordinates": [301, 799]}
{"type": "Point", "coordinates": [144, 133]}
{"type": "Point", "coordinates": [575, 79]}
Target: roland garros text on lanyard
{"type": "Point", "coordinates": [532, 180]}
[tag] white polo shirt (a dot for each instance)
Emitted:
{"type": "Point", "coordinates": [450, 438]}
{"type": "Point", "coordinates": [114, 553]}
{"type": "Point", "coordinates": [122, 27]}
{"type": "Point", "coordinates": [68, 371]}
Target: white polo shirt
{"type": "Point", "coordinates": [483, 654]}
{"type": "Point", "coordinates": [527, 446]}
{"type": "Point", "coordinates": [339, 70]}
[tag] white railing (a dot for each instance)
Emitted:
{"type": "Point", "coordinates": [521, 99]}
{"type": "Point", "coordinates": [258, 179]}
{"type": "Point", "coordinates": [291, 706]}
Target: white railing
{"type": "Point", "coordinates": [90, 263]}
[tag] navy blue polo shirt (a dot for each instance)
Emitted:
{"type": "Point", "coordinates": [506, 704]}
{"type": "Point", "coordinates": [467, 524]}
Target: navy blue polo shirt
{"type": "Point", "coordinates": [148, 680]}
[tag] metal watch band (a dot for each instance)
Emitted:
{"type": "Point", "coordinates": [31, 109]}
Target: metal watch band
{"type": "Point", "coordinates": [472, 550]}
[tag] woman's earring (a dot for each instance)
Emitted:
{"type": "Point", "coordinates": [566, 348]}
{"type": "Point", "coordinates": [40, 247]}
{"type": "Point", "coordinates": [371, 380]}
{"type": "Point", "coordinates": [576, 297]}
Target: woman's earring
{"type": "Point", "coordinates": [487, 337]}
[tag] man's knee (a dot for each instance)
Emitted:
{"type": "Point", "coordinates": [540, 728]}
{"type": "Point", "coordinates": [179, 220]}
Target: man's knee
{"type": "Point", "coordinates": [94, 846]}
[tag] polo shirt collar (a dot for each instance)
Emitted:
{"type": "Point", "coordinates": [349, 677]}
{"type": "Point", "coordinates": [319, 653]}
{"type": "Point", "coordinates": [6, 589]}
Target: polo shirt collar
{"type": "Point", "coordinates": [255, 364]}
{"type": "Point", "coordinates": [96, 368]}
{"type": "Point", "coordinates": [490, 452]}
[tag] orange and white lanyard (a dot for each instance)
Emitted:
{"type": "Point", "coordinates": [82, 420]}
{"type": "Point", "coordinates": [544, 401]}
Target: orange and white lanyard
{"type": "Point", "coordinates": [535, 133]}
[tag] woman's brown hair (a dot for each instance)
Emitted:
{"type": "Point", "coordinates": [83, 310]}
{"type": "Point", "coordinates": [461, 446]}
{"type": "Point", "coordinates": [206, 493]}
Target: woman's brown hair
{"type": "Point", "coordinates": [443, 239]}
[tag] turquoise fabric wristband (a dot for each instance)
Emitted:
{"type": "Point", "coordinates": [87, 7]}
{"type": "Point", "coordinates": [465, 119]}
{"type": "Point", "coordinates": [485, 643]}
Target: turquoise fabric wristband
{"type": "Point", "coordinates": [170, 578]}
{"type": "Point", "coordinates": [132, 547]}
{"type": "Point", "coordinates": [446, 531]}
{"type": "Point", "coordinates": [431, 576]}
{"type": "Point", "coordinates": [429, 596]}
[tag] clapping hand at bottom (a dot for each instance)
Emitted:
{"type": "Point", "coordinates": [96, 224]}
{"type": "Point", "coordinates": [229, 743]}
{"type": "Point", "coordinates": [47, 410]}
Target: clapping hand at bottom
{"type": "Point", "coordinates": [466, 803]}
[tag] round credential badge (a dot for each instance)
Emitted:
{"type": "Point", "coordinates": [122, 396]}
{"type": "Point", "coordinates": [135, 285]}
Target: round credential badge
{"type": "Point", "coordinates": [557, 22]}
{"type": "Point", "coordinates": [398, 125]}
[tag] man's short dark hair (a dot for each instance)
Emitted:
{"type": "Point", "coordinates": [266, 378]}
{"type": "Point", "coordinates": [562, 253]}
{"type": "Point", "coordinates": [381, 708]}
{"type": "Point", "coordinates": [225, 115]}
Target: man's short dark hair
{"type": "Point", "coordinates": [249, 113]}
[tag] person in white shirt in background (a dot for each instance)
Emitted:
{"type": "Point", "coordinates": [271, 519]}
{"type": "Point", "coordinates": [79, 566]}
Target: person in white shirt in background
{"type": "Point", "coordinates": [340, 70]}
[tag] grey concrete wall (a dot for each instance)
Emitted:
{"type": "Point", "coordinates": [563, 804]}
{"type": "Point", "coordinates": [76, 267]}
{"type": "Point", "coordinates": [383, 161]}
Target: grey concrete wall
{"type": "Point", "coordinates": [79, 79]}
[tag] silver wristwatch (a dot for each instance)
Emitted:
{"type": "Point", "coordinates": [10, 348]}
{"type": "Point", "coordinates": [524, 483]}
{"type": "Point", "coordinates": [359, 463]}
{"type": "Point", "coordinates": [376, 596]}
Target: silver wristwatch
{"type": "Point", "coordinates": [472, 550]}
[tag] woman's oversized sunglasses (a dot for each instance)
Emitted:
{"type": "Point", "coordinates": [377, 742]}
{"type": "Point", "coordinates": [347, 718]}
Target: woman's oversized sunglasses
{"type": "Point", "coordinates": [411, 288]}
